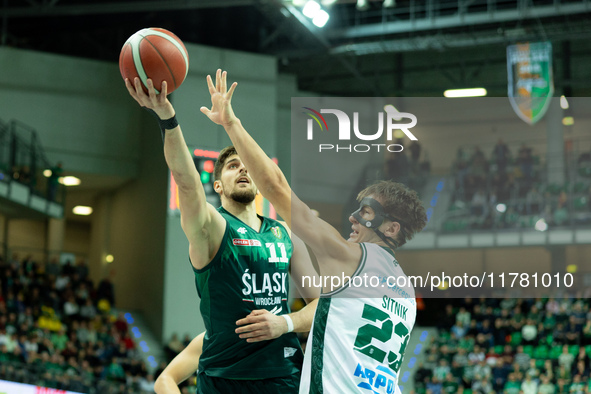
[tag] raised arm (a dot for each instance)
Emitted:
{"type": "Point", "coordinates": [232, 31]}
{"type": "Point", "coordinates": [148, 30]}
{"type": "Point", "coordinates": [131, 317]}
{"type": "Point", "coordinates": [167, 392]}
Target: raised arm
{"type": "Point", "coordinates": [333, 252]}
{"type": "Point", "coordinates": [202, 224]}
{"type": "Point", "coordinates": [180, 368]}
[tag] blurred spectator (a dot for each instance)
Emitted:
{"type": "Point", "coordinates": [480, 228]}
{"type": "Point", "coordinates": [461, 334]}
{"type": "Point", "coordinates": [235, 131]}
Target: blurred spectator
{"type": "Point", "coordinates": [451, 385]}
{"type": "Point", "coordinates": [174, 346]}
{"type": "Point", "coordinates": [458, 330]}
{"type": "Point", "coordinates": [53, 181]}
{"type": "Point", "coordinates": [525, 162]}
{"type": "Point", "coordinates": [546, 387]}
{"type": "Point", "coordinates": [577, 387]}
{"type": "Point", "coordinates": [105, 291]}
{"type": "Point", "coordinates": [512, 386]}
{"type": "Point", "coordinates": [434, 386]}
{"type": "Point", "coordinates": [534, 201]}
{"type": "Point", "coordinates": [521, 358]}
{"type": "Point", "coordinates": [464, 316]}
{"type": "Point", "coordinates": [397, 167]}
{"type": "Point", "coordinates": [415, 152]}
{"type": "Point", "coordinates": [478, 169]}
{"type": "Point", "coordinates": [501, 155]}
{"type": "Point", "coordinates": [529, 386]}
{"type": "Point", "coordinates": [187, 340]}
{"type": "Point", "coordinates": [566, 359]}
{"type": "Point", "coordinates": [479, 203]}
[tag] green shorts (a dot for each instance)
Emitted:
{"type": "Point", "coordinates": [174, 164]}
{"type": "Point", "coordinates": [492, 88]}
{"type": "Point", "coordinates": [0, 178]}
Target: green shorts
{"type": "Point", "coordinates": [283, 385]}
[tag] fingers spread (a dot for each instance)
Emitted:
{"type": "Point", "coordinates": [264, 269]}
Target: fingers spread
{"type": "Point", "coordinates": [210, 85]}
{"type": "Point", "coordinates": [151, 91]}
{"type": "Point", "coordinates": [231, 91]}
{"type": "Point", "coordinates": [224, 86]}
{"type": "Point", "coordinates": [218, 77]}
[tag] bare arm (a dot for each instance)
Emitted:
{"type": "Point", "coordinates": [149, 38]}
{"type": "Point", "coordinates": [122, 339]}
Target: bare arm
{"type": "Point", "coordinates": [180, 368]}
{"type": "Point", "coordinates": [334, 253]}
{"type": "Point", "coordinates": [201, 223]}
{"type": "Point", "coordinates": [261, 325]}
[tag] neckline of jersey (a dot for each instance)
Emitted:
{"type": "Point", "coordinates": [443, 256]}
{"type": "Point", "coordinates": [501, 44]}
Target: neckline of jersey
{"type": "Point", "coordinates": [263, 221]}
{"type": "Point", "coordinates": [388, 250]}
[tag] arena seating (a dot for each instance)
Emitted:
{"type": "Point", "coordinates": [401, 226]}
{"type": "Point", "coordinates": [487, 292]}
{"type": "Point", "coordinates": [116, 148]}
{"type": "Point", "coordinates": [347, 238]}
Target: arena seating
{"type": "Point", "coordinates": [59, 330]}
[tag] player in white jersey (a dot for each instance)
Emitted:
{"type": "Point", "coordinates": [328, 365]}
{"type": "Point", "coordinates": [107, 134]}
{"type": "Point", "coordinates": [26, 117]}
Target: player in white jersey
{"type": "Point", "coordinates": [359, 334]}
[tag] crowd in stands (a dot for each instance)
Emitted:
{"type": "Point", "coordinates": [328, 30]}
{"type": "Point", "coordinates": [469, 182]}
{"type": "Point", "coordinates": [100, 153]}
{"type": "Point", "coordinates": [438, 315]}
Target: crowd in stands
{"type": "Point", "coordinates": [509, 190]}
{"type": "Point", "coordinates": [59, 330]}
{"type": "Point", "coordinates": [510, 346]}
{"type": "Point", "coordinates": [409, 168]}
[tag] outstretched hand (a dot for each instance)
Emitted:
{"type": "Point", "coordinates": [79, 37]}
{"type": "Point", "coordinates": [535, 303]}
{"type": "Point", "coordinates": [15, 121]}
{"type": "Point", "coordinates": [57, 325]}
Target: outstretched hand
{"type": "Point", "coordinates": [261, 325]}
{"type": "Point", "coordinates": [157, 102]}
{"type": "Point", "coordinates": [221, 100]}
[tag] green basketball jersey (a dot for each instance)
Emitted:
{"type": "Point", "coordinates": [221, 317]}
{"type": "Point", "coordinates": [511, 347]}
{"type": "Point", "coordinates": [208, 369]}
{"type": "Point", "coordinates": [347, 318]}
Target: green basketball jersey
{"type": "Point", "coordinates": [249, 271]}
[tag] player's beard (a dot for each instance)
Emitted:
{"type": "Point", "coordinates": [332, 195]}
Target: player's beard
{"type": "Point", "coordinates": [245, 196]}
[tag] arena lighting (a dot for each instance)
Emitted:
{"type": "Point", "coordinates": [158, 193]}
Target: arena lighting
{"type": "Point", "coordinates": [501, 208]}
{"type": "Point", "coordinates": [311, 9]}
{"type": "Point", "coordinates": [109, 259]}
{"type": "Point", "coordinates": [69, 180]}
{"type": "Point", "coordinates": [473, 92]}
{"type": "Point", "coordinates": [328, 2]}
{"type": "Point", "coordinates": [563, 102]}
{"type": "Point", "coordinates": [46, 173]}
{"type": "Point", "coordinates": [362, 5]}
{"type": "Point", "coordinates": [389, 4]}
{"type": "Point", "coordinates": [299, 3]}
{"type": "Point", "coordinates": [568, 121]}
{"type": "Point", "coordinates": [82, 210]}
{"type": "Point", "coordinates": [541, 225]}
{"type": "Point", "coordinates": [571, 268]}
{"type": "Point", "coordinates": [321, 18]}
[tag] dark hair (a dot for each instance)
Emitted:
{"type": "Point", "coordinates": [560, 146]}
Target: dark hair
{"type": "Point", "coordinates": [401, 203]}
{"type": "Point", "coordinates": [219, 164]}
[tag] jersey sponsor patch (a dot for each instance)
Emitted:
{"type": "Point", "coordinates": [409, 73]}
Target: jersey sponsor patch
{"type": "Point", "coordinates": [289, 351]}
{"type": "Point", "coordinates": [246, 242]}
{"type": "Point", "coordinates": [380, 380]}
{"type": "Point", "coordinates": [276, 232]}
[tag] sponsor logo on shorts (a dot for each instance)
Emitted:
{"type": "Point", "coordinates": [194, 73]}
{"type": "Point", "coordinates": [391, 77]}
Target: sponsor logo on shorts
{"type": "Point", "coordinates": [246, 242]}
{"type": "Point", "coordinates": [289, 351]}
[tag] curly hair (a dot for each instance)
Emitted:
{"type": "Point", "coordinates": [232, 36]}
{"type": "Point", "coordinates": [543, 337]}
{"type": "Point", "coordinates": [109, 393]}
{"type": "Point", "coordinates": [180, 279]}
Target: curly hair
{"type": "Point", "coordinates": [401, 203]}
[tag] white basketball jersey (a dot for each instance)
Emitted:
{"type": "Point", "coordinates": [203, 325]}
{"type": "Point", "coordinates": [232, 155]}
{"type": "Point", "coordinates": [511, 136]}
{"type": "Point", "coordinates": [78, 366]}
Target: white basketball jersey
{"type": "Point", "coordinates": [357, 343]}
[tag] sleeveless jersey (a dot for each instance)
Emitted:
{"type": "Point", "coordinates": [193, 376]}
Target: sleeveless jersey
{"type": "Point", "coordinates": [249, 271]}
{"type": "Point", "coordinates": [359, 335]}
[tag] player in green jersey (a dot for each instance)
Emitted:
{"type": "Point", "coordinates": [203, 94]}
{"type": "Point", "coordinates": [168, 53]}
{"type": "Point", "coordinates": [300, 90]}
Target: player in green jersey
{"type": "Point", "coordinates": [359, 337]}
{"type": "Point", "coordinates": [240, 262]}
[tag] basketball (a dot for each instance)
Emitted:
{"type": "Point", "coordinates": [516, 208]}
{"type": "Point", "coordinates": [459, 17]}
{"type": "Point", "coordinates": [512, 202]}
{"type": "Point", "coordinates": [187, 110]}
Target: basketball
{"type": "Point", "coordinates": [157, 54]}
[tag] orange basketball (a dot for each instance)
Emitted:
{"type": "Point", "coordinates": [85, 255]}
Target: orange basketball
{"type": "Point", "coordinates": [157, 54]}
